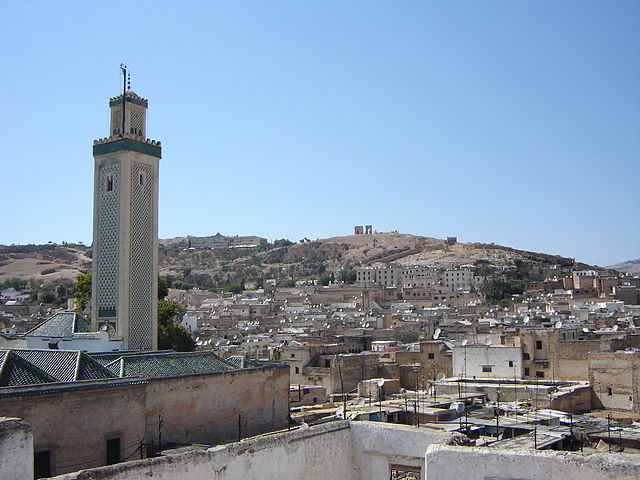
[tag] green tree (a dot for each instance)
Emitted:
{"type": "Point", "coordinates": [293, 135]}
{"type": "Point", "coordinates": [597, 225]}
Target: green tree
{"type": "Point", "coordinates": [172, 335]}
{"type": "Point", "coordinates": [324, 280]}
{"type": "Point", "coordinates": [82, 290]}
{"type": "Point", "coordinates": [497, 289]}
{"type": "Point", "coordinates": [47, 296]}
{"type": "Point", "coordinates": [15, 283]}
{"type": "Point", "coordinates": [163, 288]}
{"type": "Point", "coordinates": [282, 242]}
{"type": "Point", "coordinates": [233, 288]}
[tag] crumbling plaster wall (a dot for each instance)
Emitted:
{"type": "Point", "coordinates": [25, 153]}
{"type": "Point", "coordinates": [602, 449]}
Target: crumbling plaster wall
{"type": "Point", "coordinates": [75, 422]}
{"type": "Point", "coordinates": [470, 463]}
{"type": "Point", "coordinates": [16, 449]}
{"type": "Point", "coordinates": [615, 379]}
{"type": "Point", "coordinates": [217, 407]}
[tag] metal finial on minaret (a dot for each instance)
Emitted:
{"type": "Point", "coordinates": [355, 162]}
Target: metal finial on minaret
{"type": "Point", "coordinates": [125, 77]}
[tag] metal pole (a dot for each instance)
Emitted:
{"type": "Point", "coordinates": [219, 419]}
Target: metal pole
{"type": "Point", "coordinates": [515, 391]}
{"type": "Point", "coordinates": [124, 92]}
{"type": "Point", "coordinates": [459, 393]}
{"type": "Point", "coordinates": [344, 399]}
{"type": "Point", "coordinates": [415, 403]}
{"type": "Point", "coordinates": [160, 423]}
{"type": "Point", "coordinates": [498, 411]}
{"type": "Point", "coordinates": [570, 414]}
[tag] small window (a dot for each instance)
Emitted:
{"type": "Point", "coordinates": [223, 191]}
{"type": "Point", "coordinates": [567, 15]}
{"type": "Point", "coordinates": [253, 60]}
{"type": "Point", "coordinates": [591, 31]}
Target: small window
{"type": "Point", "coordinates": [511, 363]}
{"type": "Point", "coordinates": [297, 370]}
{"type": "Point", "coordinates": [486, 368]}
{"type": "Point", "coordinates": [327, 363]}
{"type": "Point", "coordinates": [538, 344]}
{"type": "Point", "coordinates": [293, 355]}
{"type": "Point", "coordinates": [110, 183]}
{"type": "Point", "coordinates": [609, 391]}
{"type": "Point", "coordinates": [431, 356]}
{"type": "Point", "coordinates": [540, 374]}
{"type": "Point", "coordinates": [141, 178]}
{"type": "Point", "coordinates": [305, 391]}
{"type": "Point", "coordinates": [315, 399]}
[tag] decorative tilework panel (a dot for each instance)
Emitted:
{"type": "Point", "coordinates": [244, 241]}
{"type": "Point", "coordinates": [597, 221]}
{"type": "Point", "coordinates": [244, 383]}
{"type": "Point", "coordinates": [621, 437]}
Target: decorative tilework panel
{"type": "Point", "coordinates": [141, 294]}
{"type": "Point", "coordinates": [108, 230]}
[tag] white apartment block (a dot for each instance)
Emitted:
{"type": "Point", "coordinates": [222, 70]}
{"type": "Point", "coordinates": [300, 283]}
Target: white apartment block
{"type": "Point", "coordinates": [423, 277]}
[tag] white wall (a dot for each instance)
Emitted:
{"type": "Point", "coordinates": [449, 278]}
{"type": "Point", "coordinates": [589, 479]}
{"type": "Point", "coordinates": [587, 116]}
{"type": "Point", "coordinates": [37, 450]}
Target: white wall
{"type": "Point", "coordinates": [470, 463]}
{"type": "Point", "coordinates": [337, 450]}
{"type": "Point", "coordinates": [376, 445]}
{"type": "Point", "coordinates": [86, 342]}
{"type": "Point", "coordinates": [16, 449]}
{"type": "Point", "coordinates": [314, 453]}
{"type": "Point", "coordinates": [495, 356]}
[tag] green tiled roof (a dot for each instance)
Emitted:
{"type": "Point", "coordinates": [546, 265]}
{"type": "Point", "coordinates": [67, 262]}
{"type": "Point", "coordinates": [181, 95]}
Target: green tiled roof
{"type": "Point", "coordinates": [65, 365]}
{"type": "Point", "coordinates": [168, 364]}
{"type": "Point", "coordinates": [61, 325]}
{"type": "Point", "coordinates": [242, 362]}
{"type": "Point", "coordinates": [105, 358]}
{"type": "Point", "coordinates": [15, 371]}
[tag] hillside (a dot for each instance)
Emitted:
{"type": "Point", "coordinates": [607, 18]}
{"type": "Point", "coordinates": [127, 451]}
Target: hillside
{"type": "Point", "coordinates": [343, 254]}
{"type": "Point", "coordinates": [43, 262]}
{"type": "Point", "coordinates": [304, 260]}
{"type": "Point", "coordinates": [630, 266]}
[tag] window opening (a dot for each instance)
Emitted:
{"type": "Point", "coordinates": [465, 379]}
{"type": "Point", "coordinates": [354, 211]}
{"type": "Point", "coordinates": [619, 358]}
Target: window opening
{"type": "Point", "coordinates": [113, 451]}
{"type": "Point", "coordinates": [42, 464]}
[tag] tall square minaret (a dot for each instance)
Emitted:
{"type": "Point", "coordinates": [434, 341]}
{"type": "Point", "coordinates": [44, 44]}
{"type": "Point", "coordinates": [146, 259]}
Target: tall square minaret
{"type": "Point", "coordinates": [125, 227]}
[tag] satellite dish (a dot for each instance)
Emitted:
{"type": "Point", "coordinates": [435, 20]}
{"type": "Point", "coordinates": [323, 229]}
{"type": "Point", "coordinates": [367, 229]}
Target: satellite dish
{"type": "Point", "coordinates": [465, 342]}
{"type": "Point", "coordinates": [440, 377]}
{"type": "Point", "coordinates": [380, 382]}
{"type": "Point", "coordinates": [437, 333]}
{"type": "Point", "coordinates": [488, 341]}
{"type": "Point", "coordinates": [585, 330]}
{"type": "Point", "coordinates": [457, 406]}
{"type": "Point", "coordinates": [526, 320]}
{"type": "Point", "coordinates": [339, 410]}
{"type": "Point", "coordinates": [558, 325]}
{"type": "Point", "coordinates": [360, 401]}
{"type": "Point", "coordinates": [616, 328]}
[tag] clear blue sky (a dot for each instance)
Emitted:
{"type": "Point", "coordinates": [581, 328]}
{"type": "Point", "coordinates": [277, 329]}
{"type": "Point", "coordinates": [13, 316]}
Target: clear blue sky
{"type": "Point", "coordinates": [514, 122]}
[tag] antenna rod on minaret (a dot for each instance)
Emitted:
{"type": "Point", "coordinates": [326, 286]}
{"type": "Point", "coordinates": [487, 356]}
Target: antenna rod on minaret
{"type": "Point", "coordinates": [123, 69]}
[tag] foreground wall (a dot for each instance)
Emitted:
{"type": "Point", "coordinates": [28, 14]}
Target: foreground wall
{"type": "Point", "coordinates": [16, 449]}
{"type": "Point", "coordinates": [322, 452]}
{"type": "Point", "coordinates": [217, 407]}
{"type": "Point", "coordinates": [470, 463]}
{"type": "Point", "coordinates": [73, 422]}
{"type": "Point", "coordinates": [336, 450]}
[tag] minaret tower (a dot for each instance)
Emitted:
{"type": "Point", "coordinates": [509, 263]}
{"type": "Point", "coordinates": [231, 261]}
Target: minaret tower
{"type": "Point", "coordinates": [125, 225]}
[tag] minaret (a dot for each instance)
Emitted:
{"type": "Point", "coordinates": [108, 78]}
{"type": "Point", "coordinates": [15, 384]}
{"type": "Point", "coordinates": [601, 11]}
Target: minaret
{"type": "Point", "coordinates": [125, 226]}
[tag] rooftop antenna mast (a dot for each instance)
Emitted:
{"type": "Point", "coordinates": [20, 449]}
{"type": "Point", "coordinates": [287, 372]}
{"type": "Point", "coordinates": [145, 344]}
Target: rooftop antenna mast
{"type": "Point", "coordinates": [126, 85]}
